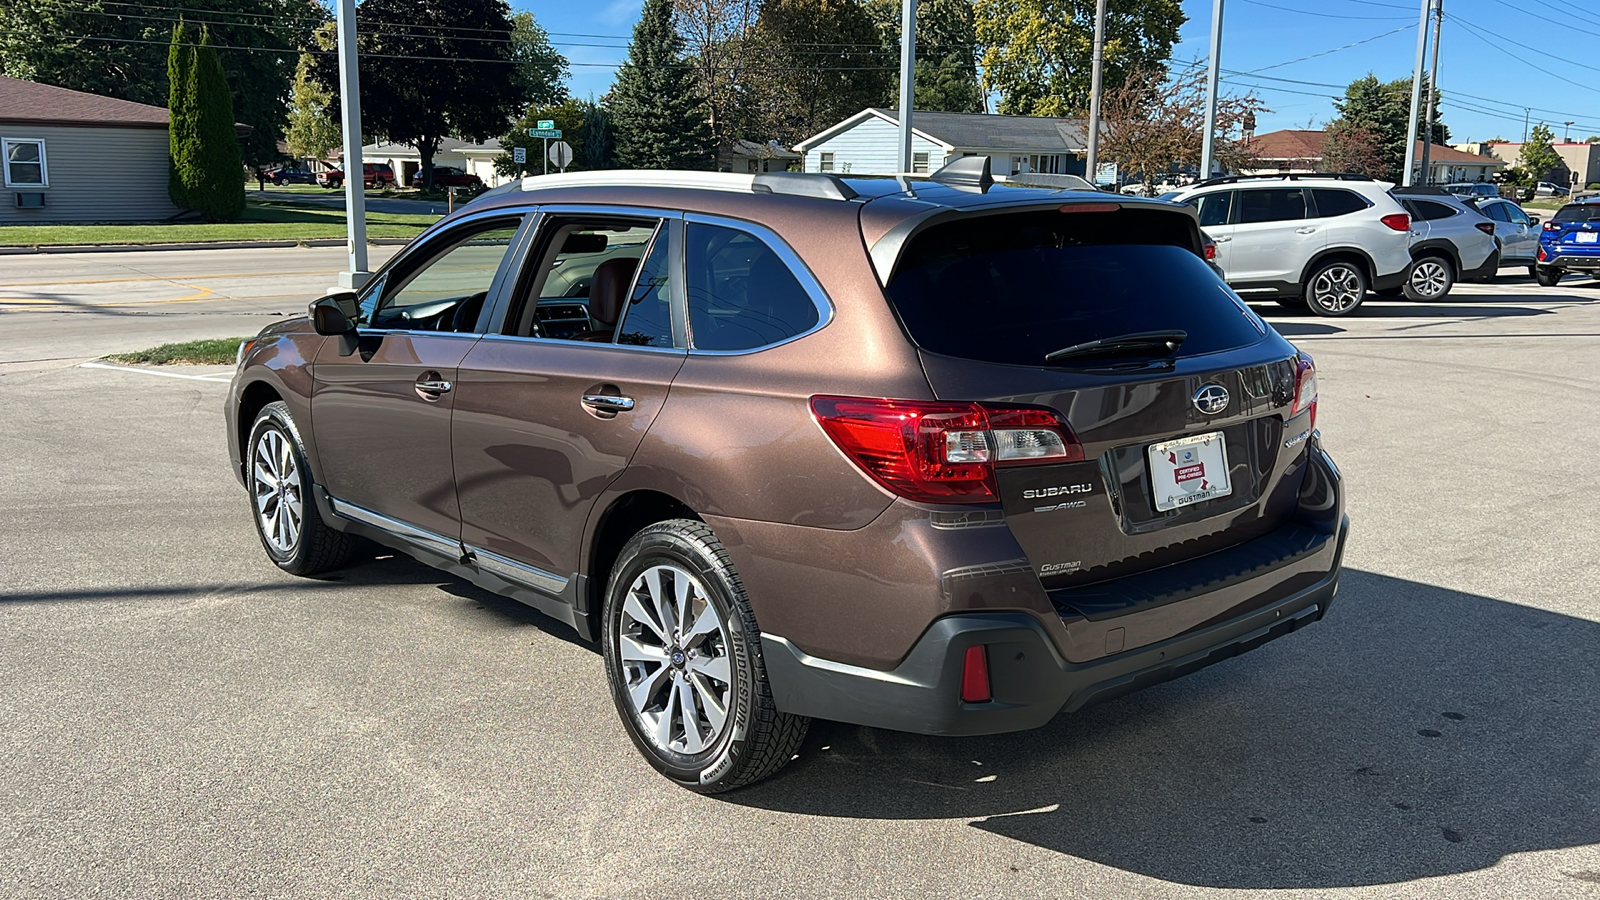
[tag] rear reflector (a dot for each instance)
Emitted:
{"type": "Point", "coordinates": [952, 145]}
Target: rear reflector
{"type": "Point", "coordinates": [943, 452]}
{"type": "Point", "coordinates": [1485, 227]}
{"type": "Point", "coordinates": [1397, 221]}
{"type": "Point", "coordinates": [975, 676]}
{"type": "Point", "coordinates": [1305, 389]}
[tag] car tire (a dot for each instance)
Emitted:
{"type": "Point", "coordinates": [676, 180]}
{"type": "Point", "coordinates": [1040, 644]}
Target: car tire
{"type": "Point", "coordinates": [1429, 279]}
{"type": "Point", "coordinates": [1547, 277]}
{"type": "Point", "coordinates": [1336, 288]}
{"type": "Point", "coordinates": [691, 689]}
{"type": "Point", "coordinates": [285, 514]}
{"type": "Point", "coordinates": [280, 182]}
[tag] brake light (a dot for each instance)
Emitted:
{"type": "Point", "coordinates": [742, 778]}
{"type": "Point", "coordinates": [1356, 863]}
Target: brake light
{"type": "Point", "coordinates": [1397, 221]}
{"type": "Point", "coordinates": [1540, 254]}
{"type": "Point", "coordinates": [1485, 227]}
{"type": "Point", "coordinates": [935, 452]}
{"type": "Point", "coordinates": [975, 676]}
{"type": "Point", "coordinates": [1305, 389]}
{"type": "Point", "coordinates": [1211, 250]}
{"type": "Point", "coordinates": [1551, 226]}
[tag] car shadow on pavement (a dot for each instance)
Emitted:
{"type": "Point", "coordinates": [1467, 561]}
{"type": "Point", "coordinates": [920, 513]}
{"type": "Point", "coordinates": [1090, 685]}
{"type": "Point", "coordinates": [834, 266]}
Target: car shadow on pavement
{"type": "Point", "coordinates": [1384, 308]}
{"type": "Point", "coordinates": [1416, 732]}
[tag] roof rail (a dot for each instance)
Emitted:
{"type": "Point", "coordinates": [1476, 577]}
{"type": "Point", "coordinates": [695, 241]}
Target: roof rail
{"type": "Point", "coordinates": [796, 184]}
{"type": "Point", "coordinates": [1423, 189]}
{"type": "Point", "coordinates": [1287, 176]}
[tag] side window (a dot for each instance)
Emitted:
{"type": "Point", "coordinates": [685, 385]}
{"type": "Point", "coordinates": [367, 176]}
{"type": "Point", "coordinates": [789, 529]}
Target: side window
{"type": "Point", "coordinates": [1335, 202]}
{"type": "Point", "coordinates": [1271, 205]}
{"type": "Point", "coordinates": [1518, 217]}
{"type": "Point", "coordinates": [446, 291]}
{"type": "Point", "coordinates": [741, 292]}
{"type": "Point", "coordinates": [1497, 212]}
{"type": "Point", "coordinates": [1214, 208]}
{"type": "Point", "coordinates": [580, 285]}
{"type": "Point", "coordinates": [647, 318]}
{"type": "Point", "coordinates": [1431, 210]}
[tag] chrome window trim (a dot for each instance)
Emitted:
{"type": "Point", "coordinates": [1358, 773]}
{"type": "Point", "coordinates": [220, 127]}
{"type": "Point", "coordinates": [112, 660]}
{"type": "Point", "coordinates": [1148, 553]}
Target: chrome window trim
{"type": "Point", "coordinates": [565, 342]}
{"type": "Point", "coordinates": [519, 573]}
{"type": "Point", "coordinates": [403, 530]}
{"type": "Point", "coordinates": [796, 265]}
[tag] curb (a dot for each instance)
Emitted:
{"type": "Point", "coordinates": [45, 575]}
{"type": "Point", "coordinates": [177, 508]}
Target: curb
{"type": "Point", "coordinates": [198, 245]}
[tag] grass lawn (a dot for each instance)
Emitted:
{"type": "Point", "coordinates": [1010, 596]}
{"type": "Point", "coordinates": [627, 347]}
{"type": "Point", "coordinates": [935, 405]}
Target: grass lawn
{"type": "Point", "coordinates": [263, 220]}
{"type": "Point", "coordinates": [214, 352]}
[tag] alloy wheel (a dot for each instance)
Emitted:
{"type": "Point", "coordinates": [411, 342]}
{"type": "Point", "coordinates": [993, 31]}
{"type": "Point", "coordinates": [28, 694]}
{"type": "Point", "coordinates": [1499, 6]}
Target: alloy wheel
{"type": "Point", "coordinates": [276, 482]}
{"type": "Point", "coordinates": [1337, 288]}
{"type": "Point", "coordinates": [673, 645]}
{"type": "Point", "coordinates": [1429, 278]}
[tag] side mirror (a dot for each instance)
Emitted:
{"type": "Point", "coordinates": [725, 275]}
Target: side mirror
{"type": "Point", "coordinates": [1533, 220]}
{"type": "Point", "coordinates": [329, 316]}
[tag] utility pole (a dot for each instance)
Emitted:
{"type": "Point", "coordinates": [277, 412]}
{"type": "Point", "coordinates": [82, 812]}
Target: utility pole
{"type": "Point", "coordinates": [1416, 95]}
{"type": "Point", "coordinates": [1213, 74]}
{"type": "Point", "coordinates": [355, 198]}
{"type": "Point", "coordinates": [1433, 88]}
{"type": "Point", "coordinates": [908, 59]}
{"type": "Point", "coordinates": [1091, 162]}
{"type": "Point", "coordinates": [1525, 112]}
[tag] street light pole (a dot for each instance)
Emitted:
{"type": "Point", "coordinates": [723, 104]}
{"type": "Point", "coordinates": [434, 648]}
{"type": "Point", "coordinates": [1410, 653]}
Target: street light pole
{"type": "Point", "coordinates": [1213, 75]}
{"type": "Point", "coordinates": [1433, 88]}
{"type": "Point", "coordinates": [1565, 131]}
{"type": "Point", "coordinates": [1416, 95]}
{"type": "Point", "coordinates": [355, 198]}
{"type": "Point", "coordinates": [908, 58]}
{"type": "Point", "coordinates": [1091, 161]}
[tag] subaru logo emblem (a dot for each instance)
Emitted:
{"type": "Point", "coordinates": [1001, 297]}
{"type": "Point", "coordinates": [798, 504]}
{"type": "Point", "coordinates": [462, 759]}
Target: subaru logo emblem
{"type": "Point", "coordinates": [1211, 399]}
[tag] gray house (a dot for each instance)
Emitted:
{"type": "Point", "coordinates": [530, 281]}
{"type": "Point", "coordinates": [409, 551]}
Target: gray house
{"type": "Point", "coordinates": [867, 143]}
{"type": "Point", "coordinates": [68, 156]}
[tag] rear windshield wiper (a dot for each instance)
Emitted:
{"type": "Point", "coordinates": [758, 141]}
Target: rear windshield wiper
{"type": "Point", "coordinates": [1160, 342]}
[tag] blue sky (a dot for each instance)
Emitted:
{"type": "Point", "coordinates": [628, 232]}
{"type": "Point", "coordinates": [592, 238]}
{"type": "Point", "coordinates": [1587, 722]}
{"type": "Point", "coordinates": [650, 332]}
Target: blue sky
{"type": "Point", "coordinates": [1297, 54]}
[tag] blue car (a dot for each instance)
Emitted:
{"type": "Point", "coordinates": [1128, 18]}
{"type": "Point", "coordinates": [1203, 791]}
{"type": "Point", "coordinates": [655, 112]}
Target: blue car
{"type": "Point", "coordinates": [1569, 242]}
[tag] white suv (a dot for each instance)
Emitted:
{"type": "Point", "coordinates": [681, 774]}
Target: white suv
{"type": "Point", "coordinates": [1320, 241]}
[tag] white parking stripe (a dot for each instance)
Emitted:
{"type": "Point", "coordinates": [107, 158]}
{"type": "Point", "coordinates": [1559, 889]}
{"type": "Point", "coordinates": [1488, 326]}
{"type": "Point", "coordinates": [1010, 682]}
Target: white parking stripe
{"type": "Point", "coordinates": [214, 377]}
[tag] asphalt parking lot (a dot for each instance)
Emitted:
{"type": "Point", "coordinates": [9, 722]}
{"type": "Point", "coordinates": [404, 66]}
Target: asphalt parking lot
{"type": "Point", "coordinates": [179, 718]}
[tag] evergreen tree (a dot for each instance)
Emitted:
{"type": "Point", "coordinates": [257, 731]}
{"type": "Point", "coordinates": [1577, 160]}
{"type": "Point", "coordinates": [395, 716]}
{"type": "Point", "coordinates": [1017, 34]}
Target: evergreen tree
{"type": "Point", "coordinates": [1384, 109]}
{"type": "Point", "coordinates": [657, 110]}
{"type": "Point", "coordinates": [946, 70]}
{"type": "Point", "coordinates": [181, 142]}
{"type": "Point", "coordinates": [597, 148]}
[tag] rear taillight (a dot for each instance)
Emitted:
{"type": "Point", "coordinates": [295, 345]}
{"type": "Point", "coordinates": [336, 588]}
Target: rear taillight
{"type": "Point", "coordinates": [1550, 226]}
{"type": "Point", "coordinates": [1397, 221]}
{"type": "Point", "coordinates": [1539, 254]}
{"type": "Point", "coordinates": [1305, 389]}
{"type": "Point", "coordinates": [975, 676]}
{"type": "Point", "coordinates": [1485, 227]}
{"type": "Point", "coordinates": [943, 452]}
{"type": "Point", "coordinates": [1211, 250]}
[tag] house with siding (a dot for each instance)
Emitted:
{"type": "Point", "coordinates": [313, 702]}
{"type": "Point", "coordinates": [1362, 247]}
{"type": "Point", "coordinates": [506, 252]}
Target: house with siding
{"type": "Point", "coordinates": [474, 159]}
{"type": "Point", "coordinates": [68, 156]}
{"type": "Point", "coordinates": [868, 143]}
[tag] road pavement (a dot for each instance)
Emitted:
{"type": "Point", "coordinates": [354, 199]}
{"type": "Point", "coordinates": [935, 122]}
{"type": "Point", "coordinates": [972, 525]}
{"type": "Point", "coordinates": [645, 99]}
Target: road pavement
{"type": "Point", "coordinates": [179, 718]}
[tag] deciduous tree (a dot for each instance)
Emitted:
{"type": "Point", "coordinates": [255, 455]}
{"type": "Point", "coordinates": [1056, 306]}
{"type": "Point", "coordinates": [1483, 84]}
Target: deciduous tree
{"type": "Point", "coordinates": [313, 129]}
{"type": "Point", "coordinates": [946, 69]}
{"type": "Point", "coordinates": [1537, 159]}
{"type": "Point", "coordinates": [1153, 122]}
{"type": "Point", "coordinates": [1384, 109]}
{"type": "Point", "coordinates": [1350, 147]}
{"type": "Point", "coordinates": [541, 70]}
{"type": "Point", "coordinates": [825, 62]}
{"type": "Point", "coordinates": [1037, 53]}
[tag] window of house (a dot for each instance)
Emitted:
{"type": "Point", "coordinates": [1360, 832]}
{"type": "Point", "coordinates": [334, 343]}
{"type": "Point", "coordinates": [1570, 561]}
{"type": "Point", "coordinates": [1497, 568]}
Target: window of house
{"type": "Point", "coordinates": [24, 161]}
{"type": "Point", "coordinates": [919, 162]}
{"type": "Point", "coordinates": [742, 295]}
{"type": "Point", "coordinates": [826, 165]}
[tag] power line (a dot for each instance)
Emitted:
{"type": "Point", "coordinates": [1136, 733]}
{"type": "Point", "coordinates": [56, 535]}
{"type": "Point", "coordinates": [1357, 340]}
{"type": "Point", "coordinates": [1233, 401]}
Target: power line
{"type": "Point", "coordinates": [1334, 50]}
{"type": "Point", "coordinates": [1307, 12]}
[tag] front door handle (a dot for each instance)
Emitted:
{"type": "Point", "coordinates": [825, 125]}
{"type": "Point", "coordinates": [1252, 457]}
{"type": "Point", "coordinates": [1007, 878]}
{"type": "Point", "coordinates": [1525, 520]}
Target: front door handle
{"type": "Point", "coordinates": [430, 386]}
{"type": "Point", "coordinates": [608, 403]}
{"type": "Point", "coordinates": [1222, 240]}
{"type": "Point", "coordinates": [1306, 230]}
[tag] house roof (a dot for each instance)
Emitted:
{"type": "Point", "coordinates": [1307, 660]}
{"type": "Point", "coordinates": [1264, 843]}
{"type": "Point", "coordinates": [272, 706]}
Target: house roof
{"type": "Point", "coordinates": [1288, 144]}
{"type": "Point", "coordinates": [769, 150]}
{"type": "Point", "coordinates": [976, 131]}
{"type": "Point", "coordinates": [44, 104]}
{"type": "Point", "coordinates": [1442, 154]}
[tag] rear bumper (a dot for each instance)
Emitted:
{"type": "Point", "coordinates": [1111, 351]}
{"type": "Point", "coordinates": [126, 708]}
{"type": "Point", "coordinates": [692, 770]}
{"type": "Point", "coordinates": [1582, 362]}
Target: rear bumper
{"type": "Point", "coordinates": [1031, 682]}
{"type": "Point", "coordinates": [1586, 261]}
{"type": "Point", "coordinates": [1390, 282]}
{"type": "Point", "coordinates": [1486, 269]}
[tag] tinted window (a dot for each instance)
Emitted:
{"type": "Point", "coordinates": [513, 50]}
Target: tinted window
{"type": "Point", "coordinates": [1516, 214]}
{"type": "Point", "coordinates": [1213, 208]}
{"type": "Point", "coordinates": [1428, 210]}
{"type": "Point", "coordinates": [1496, 211]}
{"type": "Point", "coordinates": [1272, 205]}
{"type": "Point", "coordinates": [647, 319]}
{"type": "Point", "coordinates": [1334, 202]}
{"type": "Point", "coordinates": [1577, 212]}
{"type": "Point", "coordinates": [741, 293]}
{"type": "Point", "coordinates": [423, 297]}
{"type": "Point", "coordinates": [1012, 288]}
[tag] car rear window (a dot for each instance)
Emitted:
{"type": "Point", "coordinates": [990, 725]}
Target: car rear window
{"type": "Point", "coordinates": [1334, 202]}
{"type": "Point", "coordinates": [1011, 288]}
{"type": "Point", "coordinates": [1577, 212]}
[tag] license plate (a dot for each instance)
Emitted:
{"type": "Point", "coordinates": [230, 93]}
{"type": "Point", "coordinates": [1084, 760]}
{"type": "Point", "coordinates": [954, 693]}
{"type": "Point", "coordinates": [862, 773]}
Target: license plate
{"type": "Point", "coordinates": [1189, 470]}
{"type": "Point", "coordinates": [1587, 237]}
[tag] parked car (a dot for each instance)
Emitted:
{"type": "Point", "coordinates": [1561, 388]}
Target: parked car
{"type": "Point", "coordinates": [682, 413]}
{"type": "Point", "coordinates": [373, 175]}
{"type": "Point", "coordinates": [283, 175]}
{"type": "Point", "coordinates": [1518, 232]}
{"type": "Point", "coordinates": [1450, 241]}
{"type": "Point", "coordinates": [1474, 189]}
{"type": "Point", "coordinates": [1569, 242]}
{"type": "Point", "coordinates": [1305, 240]}
{"type": "Point", "coordinates": [1549, 189]}
{"type": "Point", "coordinates": [449, 176]}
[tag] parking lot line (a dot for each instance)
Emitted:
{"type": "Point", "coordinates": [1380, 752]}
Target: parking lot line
{"type": "Point", "coordinates": [213, 377]}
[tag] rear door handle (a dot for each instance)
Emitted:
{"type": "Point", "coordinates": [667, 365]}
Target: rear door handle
{"type": "Point", "coordinates": [1222, 240]}
{"type": "Point", "coordinates": [608, 403]}
{"type": "Point", "coordinates": [1306, 230]}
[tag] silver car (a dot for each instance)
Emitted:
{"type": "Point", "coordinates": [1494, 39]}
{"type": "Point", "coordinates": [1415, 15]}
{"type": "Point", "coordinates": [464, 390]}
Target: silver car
{"type": "Point", "coordinates": [1450, 241]}
{"type": "Point", "coordinates": [1518, 231]}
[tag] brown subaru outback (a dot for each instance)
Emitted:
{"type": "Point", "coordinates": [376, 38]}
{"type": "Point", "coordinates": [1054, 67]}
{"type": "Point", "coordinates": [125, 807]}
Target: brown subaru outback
{"type": "Point", "coordinates": [934, 455]}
